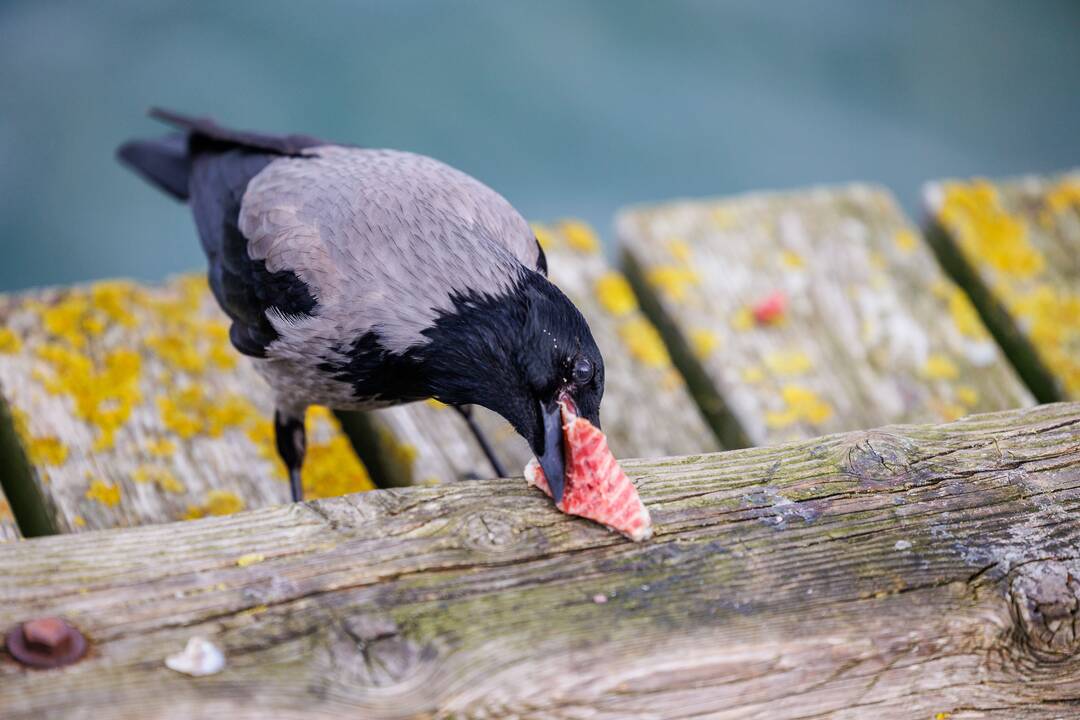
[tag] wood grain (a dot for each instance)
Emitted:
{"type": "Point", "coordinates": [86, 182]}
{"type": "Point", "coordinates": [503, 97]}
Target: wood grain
{"type": "Point", "coordinates": [1014, 245]}
{"type": "Point", "coordinates": [647, 411]}
{"type": "Point", "coordinates": [896, 573]}
{"type": "Point", "coordinates": [870, 330]}
{"type": "Point", "coordinates": [128, 405]}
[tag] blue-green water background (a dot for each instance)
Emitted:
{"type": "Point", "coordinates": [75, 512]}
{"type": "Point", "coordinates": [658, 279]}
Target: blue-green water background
{"type": "Point", "coordinates": [566, 107]}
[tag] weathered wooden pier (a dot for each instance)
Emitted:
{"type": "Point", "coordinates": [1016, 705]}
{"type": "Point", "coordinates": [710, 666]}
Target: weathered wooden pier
{"type": "Point", "coordinates": [899, 534]}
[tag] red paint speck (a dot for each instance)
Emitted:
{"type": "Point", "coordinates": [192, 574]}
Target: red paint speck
{"type": "Point", "coordinates": [771, 309]}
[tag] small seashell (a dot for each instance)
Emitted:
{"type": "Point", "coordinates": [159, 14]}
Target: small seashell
{"type": "Point", "coordinates": [199, 657]}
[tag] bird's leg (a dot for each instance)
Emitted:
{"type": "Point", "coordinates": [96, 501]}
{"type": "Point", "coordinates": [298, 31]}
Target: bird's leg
{"type": "Point", "coordinates": [466, 412]}
{"type": "Point", "coordinates": [291, 444]}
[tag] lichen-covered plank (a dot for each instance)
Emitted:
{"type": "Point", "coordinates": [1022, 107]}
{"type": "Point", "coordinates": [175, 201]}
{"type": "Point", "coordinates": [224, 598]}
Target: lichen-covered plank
{"type": "Point", "coordinates": [646, 412]}
{"type": "Point", "coordinates": [129, 406]}
{"type": "Point", "coordinates": [900, 572]}
{"type": "Point", "coordinates": [8, 529]}
{"type": "Point", "coordinates": [798, 313]}
{"type": "Point", "coordinates": [1015, 246]}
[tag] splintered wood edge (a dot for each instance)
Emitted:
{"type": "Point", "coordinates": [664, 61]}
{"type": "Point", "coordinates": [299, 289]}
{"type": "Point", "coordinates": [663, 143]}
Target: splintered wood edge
{"type": "Point", "coordinates": [904, 571]}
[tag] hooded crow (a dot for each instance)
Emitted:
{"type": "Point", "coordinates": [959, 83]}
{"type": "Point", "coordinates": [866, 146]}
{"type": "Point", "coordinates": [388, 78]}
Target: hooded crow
{"type": "Point", "coordinates": [359, 278]}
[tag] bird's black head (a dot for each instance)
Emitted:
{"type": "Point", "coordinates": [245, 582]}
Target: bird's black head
{"type": "Point", "coordinates": [520, 354]}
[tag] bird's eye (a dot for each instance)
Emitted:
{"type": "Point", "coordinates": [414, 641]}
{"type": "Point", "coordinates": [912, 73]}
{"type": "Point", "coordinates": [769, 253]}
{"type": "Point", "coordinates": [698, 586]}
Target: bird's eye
{"type": "Point", "coordinates": [583, 371]}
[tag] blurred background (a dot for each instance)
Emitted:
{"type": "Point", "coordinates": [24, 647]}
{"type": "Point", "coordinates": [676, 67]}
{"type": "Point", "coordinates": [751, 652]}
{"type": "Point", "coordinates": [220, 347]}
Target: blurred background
{"type": "Point", "coordinates": [567, 107]}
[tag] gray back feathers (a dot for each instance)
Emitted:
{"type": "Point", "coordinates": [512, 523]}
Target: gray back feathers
{"type": "Point", "coordinates": [382, 238]}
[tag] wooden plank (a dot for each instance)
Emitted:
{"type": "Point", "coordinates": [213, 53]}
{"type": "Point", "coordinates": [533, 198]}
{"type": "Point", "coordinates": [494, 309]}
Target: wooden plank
{"type": "Point", "coordinates": [428, 443]}
{"type": "Point", "coordinates": [1014, 245]}
{"type": "Point", "coordinates": [8, 529]}
{"type": "Point", "coordinates": [129, 406]}
{"type": "Point", "coordinates": [899, 572]}
{"type": "Point", "coordinates": [871, 331]}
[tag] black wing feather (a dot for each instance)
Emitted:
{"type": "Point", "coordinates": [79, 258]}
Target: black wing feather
{"type": "Point", "coordinates": [244, 288]}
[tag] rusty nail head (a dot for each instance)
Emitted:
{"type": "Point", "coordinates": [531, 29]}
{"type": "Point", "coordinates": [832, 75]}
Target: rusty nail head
{"type": "Point", "coordinates": [47, 642]}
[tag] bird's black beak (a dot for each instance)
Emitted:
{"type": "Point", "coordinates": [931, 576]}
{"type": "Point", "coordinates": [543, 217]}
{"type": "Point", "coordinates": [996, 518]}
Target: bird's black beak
{"type": "Point", "coordinates": [552, 457]}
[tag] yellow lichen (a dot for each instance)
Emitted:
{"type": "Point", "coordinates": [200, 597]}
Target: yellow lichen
{"type": "Point", "coordinates": [222, 502]}
{"type": "Point", "coordinates": [704, 342]}
{"type": "Point", "coordinates": [332, 468]}
{"type": "Point", "coordinates": [672, 281]}
{"type": "Point", "coordinates": [723, 217]}
{"type": "Point", "coordinates": [222, 356]}
{"type": "Point", "coordinates": [753, 374]}
{"type": "Point", "coordinates": [671, 379]}
{"type": "Point", "coordinates": [906, 240]}
{"type": "Point", "coordinates": [104, 396]}
{"type": "Point", "coordinates": [261, 434]}
{"type": "Point", "coordinates": [792, 259]}
{"type": "Point", "coordinates": [114, 300]}
{"type": "Point", "coordinates": [78, 521]}
{"type": "Point", "coordinates": [679, 249]}
{"type": "Point", "coordinates": [105, 493]}
{"type": "Point", "coordinates": [9, 342]}
{"type": "Point", "coordinates": [65, 319]}
{"type": "Point", "coordinates": [181, 412]}
{"type": "Point", "coordinates": [1000, 245]}
{"type": "Point", "coordinates": [401, 453]}
{"type": "Point", "coordinates": [1064, 195]}
{"type": "Point", "coordinates": [948, 411]}
{"type": "Point", "coordinates": [964, 315]}
{"type": "Point", "coordinates": [160, 476]}
{"type": "Point", "coordinates": [436, 404]}
{"type": "Point", "coordinates": [178, 351]}
{"type": "Point", "coordinates": [967, 395]}
{"type": "Point", "coordinates": [743, 319]}
{"type": "Point", "coordinates": [160, 447]}
{"type": "Point", "coordinates": [189, 412]}
{"type": "Point", "coordinates": [47, 450]}
{"type": "Point", "coordinates": [644, 342]}
{"type": "Point", "coordinates": [231, 411]}
{"type": "Point", "coordinates": [615, 294]}
{"type": "Point", "coordinates": [986, 232]}
{"type": "Point", "coordinates": [800, 404]}
{"type": "Point", "coordinates": [939, 367]}
{"type": "Point", "coordinates": [544, 236]}
{"type": "Point", "coordinates": [579, 236]}
{"type": "Point", "coordinates": [249, 559]}
{"type": "Point", "coordinates": [787, 363]}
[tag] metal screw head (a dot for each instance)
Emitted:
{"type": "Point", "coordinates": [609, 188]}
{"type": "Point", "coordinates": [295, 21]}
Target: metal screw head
{"type": "Point", "coordinates": [46, 642]}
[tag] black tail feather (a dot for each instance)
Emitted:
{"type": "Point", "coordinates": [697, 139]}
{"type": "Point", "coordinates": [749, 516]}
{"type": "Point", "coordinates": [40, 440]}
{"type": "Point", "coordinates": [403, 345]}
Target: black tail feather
{"type": "Point", "coordinates": [205, 130]}
{"type": "Point", "coordinates": [164, 161]}
{"type": "Point", "coordinates": [167, 161]}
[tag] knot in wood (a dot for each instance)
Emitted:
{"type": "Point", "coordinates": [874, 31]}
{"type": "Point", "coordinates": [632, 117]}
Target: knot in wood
{"type": "Point", "coordinates": [1045, 599]}
{"type": "Point", "coordinates": [371, 650]}
{"type": "Point", "coordinates": [491, 530]}
{"type": "Point", "coordinates": [877, 459]}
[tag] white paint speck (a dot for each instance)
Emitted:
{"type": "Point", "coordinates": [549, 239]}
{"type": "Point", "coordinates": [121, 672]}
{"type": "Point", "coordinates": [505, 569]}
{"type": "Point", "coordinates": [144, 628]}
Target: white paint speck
{"type": "Point", "coordinates": [902, 545]}
{"type": "Point", "coordinates": [199, 657]}
{"type": "Point", "coordinates": [599, 598]}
